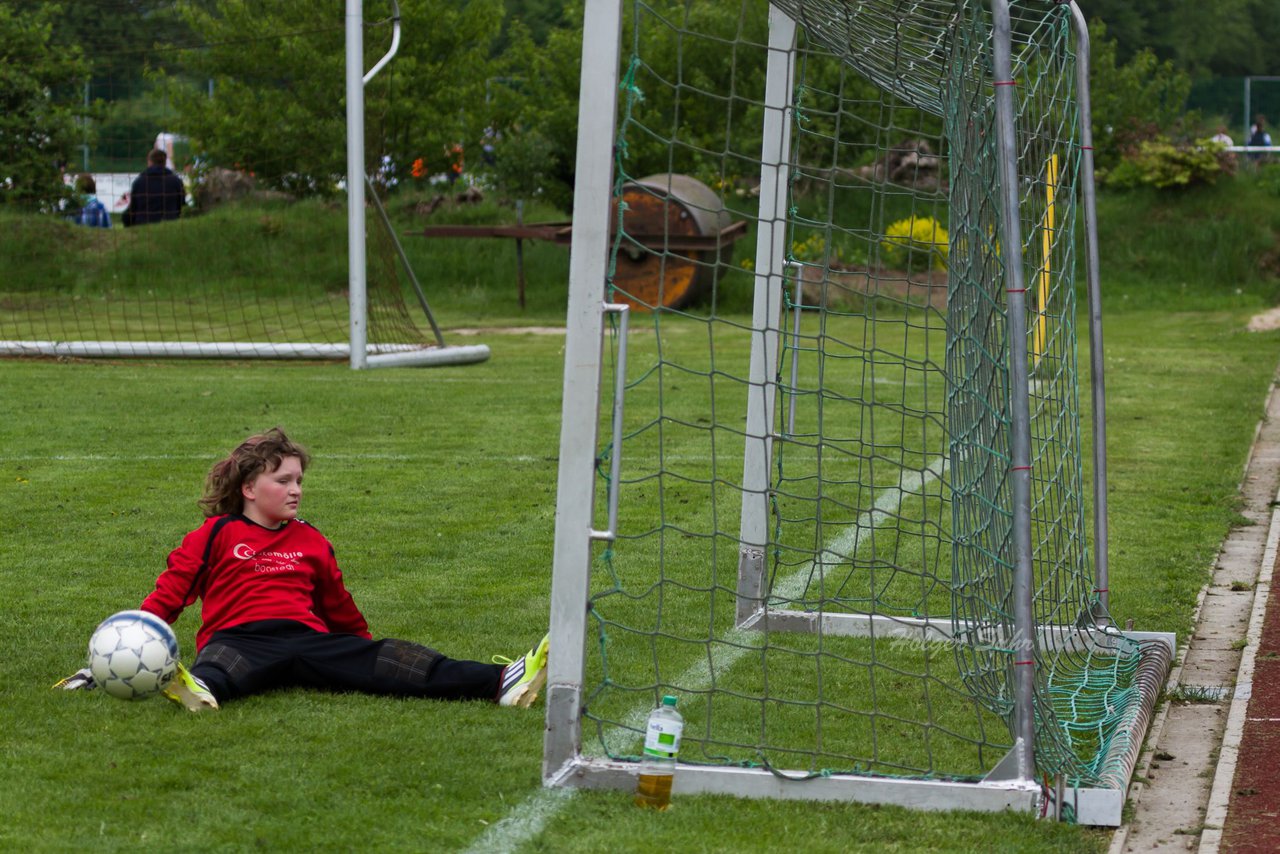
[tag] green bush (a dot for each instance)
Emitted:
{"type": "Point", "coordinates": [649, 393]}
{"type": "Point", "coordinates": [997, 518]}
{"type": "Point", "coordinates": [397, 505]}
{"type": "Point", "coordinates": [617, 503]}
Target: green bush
{"type": "Point", "coordinates": [1166, 165]}
{"type": "Point", "coordinates": [127, 129]}
{"type": "Point", "coordinates": [1135, 100]}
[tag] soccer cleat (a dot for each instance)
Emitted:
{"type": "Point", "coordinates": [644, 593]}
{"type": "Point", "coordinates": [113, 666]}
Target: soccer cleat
{"type": "Point", "coordinates": [523, 678]}
{"type": "Point", "coordinates": [189, 692]}
{"type": "Point", "coordinates": [81, 680]}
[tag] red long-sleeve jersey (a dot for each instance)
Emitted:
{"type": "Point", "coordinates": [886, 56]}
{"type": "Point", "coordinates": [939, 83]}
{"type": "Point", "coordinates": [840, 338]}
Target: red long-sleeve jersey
{"type": "Point", "coordinates": [243, 572]}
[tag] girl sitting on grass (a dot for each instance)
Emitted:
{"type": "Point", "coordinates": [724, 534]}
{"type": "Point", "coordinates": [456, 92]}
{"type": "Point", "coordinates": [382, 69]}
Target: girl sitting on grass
{"type": "Point", "coordinates": [275, 612]}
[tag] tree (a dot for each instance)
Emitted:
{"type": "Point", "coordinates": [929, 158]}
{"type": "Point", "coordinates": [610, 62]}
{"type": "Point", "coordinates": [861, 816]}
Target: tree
{"type": "Point", "coordinates": [278, 109]}
{"type": "Point", "coordinates": [1225, 37]}
{"type": "Point", "coordinates": [538, 17]}
{"type": "Point", "coordinates": [1132, 102]}
{"type": "Point", "coordinates": [118, 40]}
{"type": "Point", "coordinates": [532, 106]}
{"type": "Point", "coordinates": [38, 124]}
{"type": "Point", "coordinates": [116, 37]}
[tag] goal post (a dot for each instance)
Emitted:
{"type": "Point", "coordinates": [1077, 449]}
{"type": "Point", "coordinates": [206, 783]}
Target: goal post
{"type": "Point", "coordinates": [359, 352]}
{"type": "Point", "coordinates": [845, 482]}
{"type": "Point", "coordinates": [170, 290]}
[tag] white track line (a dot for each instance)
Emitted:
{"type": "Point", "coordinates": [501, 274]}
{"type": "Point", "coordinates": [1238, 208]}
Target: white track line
{"type": "Point", "coordinates": [528, 818]}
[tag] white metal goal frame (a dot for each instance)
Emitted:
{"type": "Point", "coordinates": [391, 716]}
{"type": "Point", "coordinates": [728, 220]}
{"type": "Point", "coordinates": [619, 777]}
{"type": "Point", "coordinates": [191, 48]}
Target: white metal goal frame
{"type": "Point", "coordinates": [1012, 783]}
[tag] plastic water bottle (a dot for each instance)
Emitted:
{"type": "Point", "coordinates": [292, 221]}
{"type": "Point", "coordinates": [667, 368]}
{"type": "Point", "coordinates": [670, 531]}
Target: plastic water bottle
{"type": "Point", "coordinates": [658, 765]}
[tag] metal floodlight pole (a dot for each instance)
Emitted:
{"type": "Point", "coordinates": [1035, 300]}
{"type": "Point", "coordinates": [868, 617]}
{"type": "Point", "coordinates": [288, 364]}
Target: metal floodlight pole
{"type": "Point", "coordinates": [357, 292]}
{"type": "Point", "coordinates": [1019, 397]}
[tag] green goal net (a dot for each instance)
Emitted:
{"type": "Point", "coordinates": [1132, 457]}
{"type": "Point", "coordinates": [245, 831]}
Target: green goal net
{"type": "Point", "coordinates": [844, 465]}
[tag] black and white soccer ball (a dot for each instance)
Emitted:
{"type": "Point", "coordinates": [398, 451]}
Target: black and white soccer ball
{"type": "Point", "coordinates": [133, 654]}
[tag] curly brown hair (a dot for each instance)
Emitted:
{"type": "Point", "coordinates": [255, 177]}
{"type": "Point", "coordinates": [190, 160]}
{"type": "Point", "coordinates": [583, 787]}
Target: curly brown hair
{"type": "Point", "coordinates": [260, 452]}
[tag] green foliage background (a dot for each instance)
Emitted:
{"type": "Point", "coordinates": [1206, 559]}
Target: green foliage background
{"type": "Point", "coordinates": [261, 84]}
{"type": "Point", "coordinates": [37, 128]}
{"type": "Point", "coordinates": [278, 107]}
{"type": "Point", "coordinates": [1226, 37]}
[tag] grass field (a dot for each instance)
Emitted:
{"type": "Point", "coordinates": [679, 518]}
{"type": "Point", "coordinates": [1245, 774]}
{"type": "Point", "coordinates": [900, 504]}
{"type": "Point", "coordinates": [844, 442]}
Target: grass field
{"type": "Point", "coordinates": [437, 488]}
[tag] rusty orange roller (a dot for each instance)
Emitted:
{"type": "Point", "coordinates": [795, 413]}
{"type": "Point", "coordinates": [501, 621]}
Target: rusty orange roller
{"type": "Point", "coordinates": [676, 237]}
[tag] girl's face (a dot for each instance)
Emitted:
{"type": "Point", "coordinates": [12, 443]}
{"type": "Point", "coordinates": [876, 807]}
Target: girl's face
{"type": "Point", "coordinates": [271, 498]}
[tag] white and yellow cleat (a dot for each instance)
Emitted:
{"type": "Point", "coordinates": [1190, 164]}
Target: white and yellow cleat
{"type": "Point", "coordinates": [523, 678]}
{"type": "Point", "coordinates": [189, 692]}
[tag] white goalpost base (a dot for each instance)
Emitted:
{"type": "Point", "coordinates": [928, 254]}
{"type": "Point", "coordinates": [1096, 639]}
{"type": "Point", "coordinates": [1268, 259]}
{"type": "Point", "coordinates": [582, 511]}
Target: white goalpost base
{"type": "Point", "coordinates": [385, 355]}
{"type": "Point", "coordinates": [925, 630]}
{"type": "Point", "coordinates": [987, 796]}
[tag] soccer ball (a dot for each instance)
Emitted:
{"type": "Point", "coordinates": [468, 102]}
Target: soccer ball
{"type": "Point", "coordinates": [133, 654]}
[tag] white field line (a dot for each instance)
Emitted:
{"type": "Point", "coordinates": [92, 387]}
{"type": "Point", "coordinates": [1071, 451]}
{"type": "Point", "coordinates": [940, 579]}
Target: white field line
{"type": "Point", "coordinates": [523, 823]}
{"type": "Point", "coordinates": [528, 818]}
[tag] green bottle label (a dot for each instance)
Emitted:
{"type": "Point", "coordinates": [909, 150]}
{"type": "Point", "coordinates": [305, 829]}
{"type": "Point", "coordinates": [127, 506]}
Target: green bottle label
{"type": "Point", "coordinates": [662, 739]}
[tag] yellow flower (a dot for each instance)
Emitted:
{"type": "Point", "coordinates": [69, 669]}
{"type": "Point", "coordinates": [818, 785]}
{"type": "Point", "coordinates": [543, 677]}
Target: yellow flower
{"type": "Point", "coordinates": [918, 236]}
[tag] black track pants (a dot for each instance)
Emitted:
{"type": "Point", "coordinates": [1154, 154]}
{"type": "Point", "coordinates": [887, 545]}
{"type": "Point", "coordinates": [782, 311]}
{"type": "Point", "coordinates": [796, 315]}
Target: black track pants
{"type": "Point", "coordinates": [261, 656]}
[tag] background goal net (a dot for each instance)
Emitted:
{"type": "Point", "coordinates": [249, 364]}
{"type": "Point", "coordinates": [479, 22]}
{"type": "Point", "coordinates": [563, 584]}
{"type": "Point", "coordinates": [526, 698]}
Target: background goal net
{"type": "Point", "coordinates": [843, 465]}
{"type": "Point", "coordinates": [244, 253]}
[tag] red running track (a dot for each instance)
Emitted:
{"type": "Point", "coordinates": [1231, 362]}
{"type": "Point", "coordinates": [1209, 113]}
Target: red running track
{"type": "Point", "coordinates": [1253, 816]}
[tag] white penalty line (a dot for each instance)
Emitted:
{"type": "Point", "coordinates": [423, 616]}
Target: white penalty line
{"type": "Point", "coordinates": [528, 819]}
